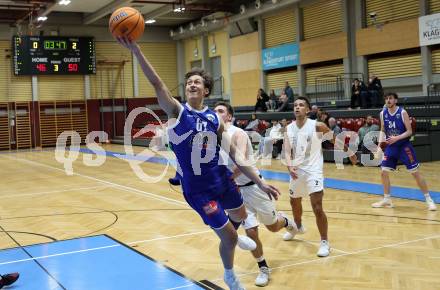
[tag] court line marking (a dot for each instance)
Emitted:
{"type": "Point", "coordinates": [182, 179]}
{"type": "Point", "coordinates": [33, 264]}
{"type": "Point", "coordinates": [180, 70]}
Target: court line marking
{"type": "Point", "coordinates": [340, 255]}
{"type": "Point", "coordinates": [318, 243]}
{"type": "Point", "coordinates": [126, 188]}
{"type": "Point", "coordinates": [123, 187]}
{"type": "Point", "coordinates": [53, 191]}
{"type": "Point", "coordinates": [181, 287]}
{"type": "Point", "coordinates": [104, 247]}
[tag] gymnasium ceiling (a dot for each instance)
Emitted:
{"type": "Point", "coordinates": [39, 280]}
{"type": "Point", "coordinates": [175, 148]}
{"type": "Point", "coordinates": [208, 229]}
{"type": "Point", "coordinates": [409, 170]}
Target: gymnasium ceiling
{"type": "Point", "coordinates": [96, 12]}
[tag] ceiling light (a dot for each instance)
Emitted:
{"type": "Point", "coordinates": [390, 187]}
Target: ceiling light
{"type": "Point", "coordinates": [64, 2]}
{"type": "Point", "coordinates": [242, 9]}
{"type": "Point", "coordinates": [257, 4]}
{"type": "Point", "coordinates": [150, 21]}
{"type": "Point", "coordinates": [179, 9]}
{"type": "Point", "coordinates": [42, 18]}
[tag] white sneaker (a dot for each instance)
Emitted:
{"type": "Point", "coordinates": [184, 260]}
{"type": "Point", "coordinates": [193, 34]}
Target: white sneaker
{"type": "Point", "coordinates": [288, 236]}
{"type": "Point", "coordinates": [431, 204]}
{"type": "Point", "coordinates": [324, 249]}
{"type": "Point", "coordinates": [246, 243]}
{"type": "Point", "coordinates": [233, 282]}
{"type": "Point", "coordinates": [263, 277]}
{"type": "Point", "coordinates": [385, 202]}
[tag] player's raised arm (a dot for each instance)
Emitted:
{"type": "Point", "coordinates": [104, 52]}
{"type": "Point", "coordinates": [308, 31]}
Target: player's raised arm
{"type": "Point", "coordinates": [239, 160]}
{"type": "Point", "coordinates": [240, 139]}
{"type": "Point", "coordinates": [166, 101]}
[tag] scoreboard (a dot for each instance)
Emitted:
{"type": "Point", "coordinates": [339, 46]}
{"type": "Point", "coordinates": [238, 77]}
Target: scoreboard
{"type": "Point", "coordinates": [45, 55]}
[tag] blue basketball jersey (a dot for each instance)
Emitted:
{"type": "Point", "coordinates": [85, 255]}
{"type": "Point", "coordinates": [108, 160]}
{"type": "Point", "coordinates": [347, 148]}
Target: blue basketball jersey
{"type": "Point", "coordinates": [194, 137]}
{"type": "Point", "coordinates": [394, 125]}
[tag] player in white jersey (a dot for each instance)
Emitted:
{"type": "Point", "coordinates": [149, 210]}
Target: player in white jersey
{"type": "Point", "coordinates": [259, 205]}
{"type": "Point", "coordinates": [303, 138]}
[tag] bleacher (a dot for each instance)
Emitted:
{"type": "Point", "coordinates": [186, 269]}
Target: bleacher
{"type": "Point", "coordinates": [424, 112]}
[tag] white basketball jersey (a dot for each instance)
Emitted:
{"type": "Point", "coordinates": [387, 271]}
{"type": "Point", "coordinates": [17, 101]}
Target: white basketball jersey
{"type": "Point", "coordinates": [306, 147]}
{"type": "Point", "coordinates": [241, 179]}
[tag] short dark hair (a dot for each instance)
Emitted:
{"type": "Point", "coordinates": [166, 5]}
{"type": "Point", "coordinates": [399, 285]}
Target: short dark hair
{"type": "Point", "coordinates": [392, 94]}
{"type": "Point", "coordinates": [305, 100]}
{"type": "Point", "coordinates": [207, 79]}
{"type": "Point", "coordinates": [227, 106]}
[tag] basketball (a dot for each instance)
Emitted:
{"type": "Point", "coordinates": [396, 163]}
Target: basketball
{"type": "Point", "coordinates": [126, 21]}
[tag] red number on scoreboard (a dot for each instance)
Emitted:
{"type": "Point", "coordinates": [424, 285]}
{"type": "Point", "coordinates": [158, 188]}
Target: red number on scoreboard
{"type": "Point", "coordinates": [41, 67]}
{"type": "Point", "coordinates": [72, 67]}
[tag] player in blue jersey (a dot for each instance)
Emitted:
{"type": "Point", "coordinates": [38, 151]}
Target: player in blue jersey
{"type": "Point", "coordinates": [195, 133]}
{"type": "Point", "coordinates": [396, 125]}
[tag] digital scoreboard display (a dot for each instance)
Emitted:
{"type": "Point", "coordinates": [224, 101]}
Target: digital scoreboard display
{"type": "Point", "coordinates": [48, 55]}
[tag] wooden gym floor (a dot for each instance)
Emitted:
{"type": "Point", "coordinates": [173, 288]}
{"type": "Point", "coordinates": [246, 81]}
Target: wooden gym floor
{"type": "Point", "coordinates": [371, 248]}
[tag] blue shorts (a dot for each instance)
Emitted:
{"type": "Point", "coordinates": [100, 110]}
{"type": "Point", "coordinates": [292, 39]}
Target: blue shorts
{"type": "Point", "coordinates": [211, 206]}
{"type": "Point", "coordinates": [404, 152]}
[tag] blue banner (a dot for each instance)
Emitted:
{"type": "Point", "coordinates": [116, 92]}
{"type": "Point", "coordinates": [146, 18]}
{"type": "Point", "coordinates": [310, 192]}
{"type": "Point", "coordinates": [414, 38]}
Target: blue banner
{"type": "Point", "coordinates": [280, 56]}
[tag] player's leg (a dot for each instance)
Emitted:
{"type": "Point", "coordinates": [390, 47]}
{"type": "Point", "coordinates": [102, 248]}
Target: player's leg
{"type": "Point", "coordinates": [421, 182]}
{"type": "Point", "coordinates": [259, 204]}
{"type": "Point", "coordinates": [408, 157]}
{"type": "Point", "coordinates": [388, 164]}
{"type": "Point", "coordinates": [228, 241]}
{"type": "Point", "coordinates": [210, 209]}
{"type": "Point", "coordinates": [315, 189]}
{"type": "Point", "coordinates": [321, 221]}
{"type": "Point", "coordinates": [321, 218]}
{"type": "Point", "coordinates": [298, 189]}
{"type": "Point", "coordinates": [236, 217]}
{"type": "Point", "coordinates": [250, 225]}
{"type": "Point", "coordinates": [297, 226]}
{"type": "Point", "coordinates": [233, 203]}
{"type": "Point", "coordinates": [297, 210]}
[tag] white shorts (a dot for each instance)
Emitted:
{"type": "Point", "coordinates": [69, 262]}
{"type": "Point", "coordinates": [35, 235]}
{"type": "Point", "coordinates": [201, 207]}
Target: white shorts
{"type": "Point", "coordinates": [305, 184]}
{"type": "Point", "coordinates": [259, 207]}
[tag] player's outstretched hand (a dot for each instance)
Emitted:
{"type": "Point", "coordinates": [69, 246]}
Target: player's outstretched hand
{"type": "Point", "coordinates": [271, 191]}
{"type": "Point", "coordinates": [392, 140]}
{"type": "Point", "coordinates": [127, 43]}
{"type": "Point", "coordinates": [292, 172]}
{"type": "Point", "coordinates": [353, 158]}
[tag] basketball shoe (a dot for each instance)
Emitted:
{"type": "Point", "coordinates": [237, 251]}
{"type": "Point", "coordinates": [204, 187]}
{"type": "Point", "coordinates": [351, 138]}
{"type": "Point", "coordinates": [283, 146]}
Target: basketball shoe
{"type": "Point", "coordinates": [8, 279]}
{"type": "Point", "coordinates": [385, 202]}
{"type": "Point", "coordinates": [431, 204]}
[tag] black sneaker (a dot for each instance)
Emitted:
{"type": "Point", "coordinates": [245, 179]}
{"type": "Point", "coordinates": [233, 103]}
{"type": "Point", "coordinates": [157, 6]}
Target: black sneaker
{"type": "Point", "coordinates": [174, 181]}
{"type": "Point", "coordinates": [8, 279]}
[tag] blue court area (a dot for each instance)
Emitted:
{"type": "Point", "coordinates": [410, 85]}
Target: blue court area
{"type": "Point", "coordinates": [91, 263]}
{"type": "Point", "coordinates": [364, 187]}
